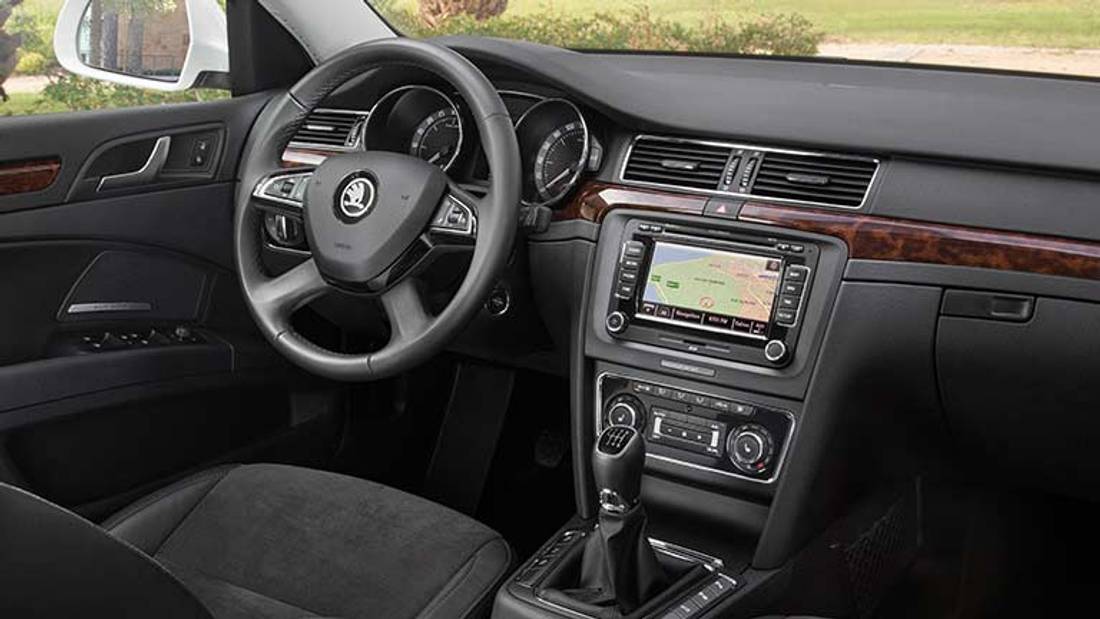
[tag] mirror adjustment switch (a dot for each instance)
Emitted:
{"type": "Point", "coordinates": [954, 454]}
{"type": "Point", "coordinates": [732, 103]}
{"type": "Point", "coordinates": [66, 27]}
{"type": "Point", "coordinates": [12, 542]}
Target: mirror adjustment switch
{"type": "Point", "coordinates": [200, 152]}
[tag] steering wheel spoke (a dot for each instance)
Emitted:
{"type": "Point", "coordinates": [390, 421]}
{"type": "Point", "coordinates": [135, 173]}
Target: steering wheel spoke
{"type": "Point", "coordinates": [405, 310]}
{"type": "Point", "coordinates": [283, 294]}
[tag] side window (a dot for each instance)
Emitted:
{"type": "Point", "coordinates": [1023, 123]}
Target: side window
{"type": "Point", "coordinates": [73, 55]}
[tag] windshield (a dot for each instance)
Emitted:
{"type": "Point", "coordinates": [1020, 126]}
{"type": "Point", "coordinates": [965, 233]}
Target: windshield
{"type": "Point", "coordinates": [1046, 36]}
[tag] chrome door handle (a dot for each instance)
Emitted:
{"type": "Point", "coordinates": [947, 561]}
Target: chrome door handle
{"type": "Point", "coordinates": [144, 175]}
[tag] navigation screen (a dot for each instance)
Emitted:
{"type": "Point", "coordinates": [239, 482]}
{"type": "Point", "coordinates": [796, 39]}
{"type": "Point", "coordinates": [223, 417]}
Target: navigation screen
{"type": "Point", "coordinates": [710, 288]}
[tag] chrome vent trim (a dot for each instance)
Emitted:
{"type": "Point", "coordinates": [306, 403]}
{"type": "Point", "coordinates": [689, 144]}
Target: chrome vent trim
{"type": "Point", "coordinates": [689, 164]}
{"type": "Point", "coordinates": [332, 129]}
{"type": "Point", "coordinates": [817, 178]}
{"type": "Point", "coordinates": [850, 167]}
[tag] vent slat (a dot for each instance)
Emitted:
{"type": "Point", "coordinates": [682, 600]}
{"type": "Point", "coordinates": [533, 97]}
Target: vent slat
{"type": "Point", "coordinates": [814, 178]}
{"type": "Point", "coordinates": [673, 179]}
{"type": "Point", "coordinates": [656, 165]}
{"type": "Point", "coordinates": [653, 160]}
{"type": "Point", "coordinates": [661, 152]}
{"type": "Point", "coordinates": [823, 162]}
{"type": "Point", "coordinates": [838, 183]}
{"type": "Point", "coordinates": [330, 129]}
{"type": "Point", "coordinates": [791, 193]}
{"type": "Point", "coordinates": [785, 167]}
{"type": "Point", "coordinates": [819, 191]}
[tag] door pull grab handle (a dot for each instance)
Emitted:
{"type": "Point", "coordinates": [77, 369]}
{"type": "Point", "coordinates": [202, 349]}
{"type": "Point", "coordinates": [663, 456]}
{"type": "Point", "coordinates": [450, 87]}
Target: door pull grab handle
{"type": "Point", "coordinates": [143, 176]}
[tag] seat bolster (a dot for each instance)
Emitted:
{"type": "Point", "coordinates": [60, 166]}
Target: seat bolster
{"type": "Point", "coordinates": [56, 565]}
{"type": "Point", "coordinates": [470, 591]}
{"type": "Point", "coordinates": [148, 523]}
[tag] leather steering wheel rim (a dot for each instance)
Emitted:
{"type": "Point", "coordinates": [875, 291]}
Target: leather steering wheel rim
{"type": "Point", "coordinates": [416, 336]}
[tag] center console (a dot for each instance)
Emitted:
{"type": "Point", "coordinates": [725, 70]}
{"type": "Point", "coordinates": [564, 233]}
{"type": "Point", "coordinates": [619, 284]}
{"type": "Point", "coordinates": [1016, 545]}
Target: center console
{"type": "Point", "coordinates": [699, 341]}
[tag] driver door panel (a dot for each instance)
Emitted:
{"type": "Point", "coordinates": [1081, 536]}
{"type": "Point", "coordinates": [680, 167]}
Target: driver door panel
{"type": "Point", "coordinates": [127, 355]}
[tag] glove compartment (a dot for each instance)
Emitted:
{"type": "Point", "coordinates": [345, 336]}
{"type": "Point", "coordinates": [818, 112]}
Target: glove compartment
{"type": "Point", "coordinates": [1020, 382]}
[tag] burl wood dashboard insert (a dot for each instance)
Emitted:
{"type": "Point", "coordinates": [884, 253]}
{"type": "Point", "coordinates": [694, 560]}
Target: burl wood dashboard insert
{"type": "Point", "coordinates": [867, 236]}
{"type": "Point", "coordinates": [27, 176]}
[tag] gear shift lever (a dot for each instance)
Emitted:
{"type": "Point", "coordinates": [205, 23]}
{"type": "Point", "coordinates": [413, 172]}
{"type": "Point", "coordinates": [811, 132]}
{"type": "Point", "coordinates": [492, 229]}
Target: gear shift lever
{"type": "Point", "coordinates": [617, 464]}
{"type": "Point", "coordinates": [619, 561]}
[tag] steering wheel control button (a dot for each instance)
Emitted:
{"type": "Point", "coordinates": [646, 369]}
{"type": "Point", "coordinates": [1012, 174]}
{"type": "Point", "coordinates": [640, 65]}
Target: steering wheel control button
{"type": "Point", "coordinates": [289, 189]}
{"type": "Point", "coordinates": [775, 351]}
{"type": "Point", "coordinates": [284, 231]}
{"type": "Point", "coordinates": [750, 448]}
{"type": "Point", "coordinates": [616, 323]}
{"type": "Point", "coordinates": [454, 217]}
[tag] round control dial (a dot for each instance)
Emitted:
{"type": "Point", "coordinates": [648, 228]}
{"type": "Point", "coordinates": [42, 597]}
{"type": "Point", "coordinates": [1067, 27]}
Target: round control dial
{"type": "Point", "coordinates": [616, 322]}
{"type": "Point", "coordinates": [625, 410]}
{"type": "Point", "coordinates": [750, 448]}
{"type": "Point", "coordinates": [775, 351]}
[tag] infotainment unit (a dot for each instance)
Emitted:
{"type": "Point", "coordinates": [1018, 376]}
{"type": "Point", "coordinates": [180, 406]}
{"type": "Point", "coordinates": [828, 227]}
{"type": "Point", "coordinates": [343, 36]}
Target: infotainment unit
{"type": "Point", "coordinates": [713, 292]}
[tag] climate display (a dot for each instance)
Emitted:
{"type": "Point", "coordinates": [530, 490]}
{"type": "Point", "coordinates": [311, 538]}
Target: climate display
{"type": "Point", "coordinates": [711, 289]}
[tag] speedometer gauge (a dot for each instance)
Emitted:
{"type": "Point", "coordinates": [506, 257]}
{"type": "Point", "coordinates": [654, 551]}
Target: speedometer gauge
{"type": "Point", "coordinates": [553, 144]}
{"type": "Point", "coordinates": [559, 160]}
{"type": "Point", "coordinates": [437, 138]}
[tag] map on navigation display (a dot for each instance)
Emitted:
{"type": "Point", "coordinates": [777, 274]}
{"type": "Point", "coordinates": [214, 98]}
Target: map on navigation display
{"type": "Point", "coordinates": [713, 281]}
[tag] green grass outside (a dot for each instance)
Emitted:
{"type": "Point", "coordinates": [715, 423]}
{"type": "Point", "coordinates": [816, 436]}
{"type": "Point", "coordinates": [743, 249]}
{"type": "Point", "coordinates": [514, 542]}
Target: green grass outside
{"type": "Point", "coordinates": [20, 103]}
{"type": "Point", "coordinates": [1028, 23]}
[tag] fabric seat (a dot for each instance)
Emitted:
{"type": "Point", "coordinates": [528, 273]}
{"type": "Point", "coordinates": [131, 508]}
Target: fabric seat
{"type": "Point", "coordinates": [280, 541]}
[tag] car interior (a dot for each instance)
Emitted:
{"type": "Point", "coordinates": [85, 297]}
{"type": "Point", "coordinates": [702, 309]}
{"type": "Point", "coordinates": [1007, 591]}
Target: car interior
{"type": "Point", "coordinates": [472, 327]}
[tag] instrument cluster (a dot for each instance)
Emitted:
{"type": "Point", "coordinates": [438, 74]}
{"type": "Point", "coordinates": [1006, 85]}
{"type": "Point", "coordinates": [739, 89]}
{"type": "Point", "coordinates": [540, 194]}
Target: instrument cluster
{"type": "Point", "coordinates": [556, 145]}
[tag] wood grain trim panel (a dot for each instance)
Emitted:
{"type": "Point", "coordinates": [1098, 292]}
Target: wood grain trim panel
{"type": "Point", "coordinates": [27, 176]}
{"type": "Point", "coordinates": [868, 237]}
{"type": "Point", "coordinates": [901, 240]}
{"type": "Point", "coordinates": [595, 199]}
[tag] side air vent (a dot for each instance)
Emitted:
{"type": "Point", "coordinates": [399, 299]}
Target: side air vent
{"type": "Point", "coordinates": [331, 129]}
{"type": "Point", "coordinates": [825, 179]}
{"type": "Point", "coordinates": [682, 163]}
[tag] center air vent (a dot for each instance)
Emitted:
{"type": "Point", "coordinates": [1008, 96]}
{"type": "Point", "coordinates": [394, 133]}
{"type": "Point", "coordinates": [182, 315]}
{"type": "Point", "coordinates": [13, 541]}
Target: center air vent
{"type": "Point", "coordinates": [330, 129]}
{"type": "Point", "coordinates": [825, 179]}
{"type": "Point", "coordinates": [674, 162]}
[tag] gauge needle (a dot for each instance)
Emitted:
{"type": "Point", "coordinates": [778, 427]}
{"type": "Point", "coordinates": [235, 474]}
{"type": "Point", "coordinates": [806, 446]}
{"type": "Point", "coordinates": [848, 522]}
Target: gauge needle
{"type": "Point", "coordinates": [560, 177]}
{"type": "Point", "coordinates": [435, 157]}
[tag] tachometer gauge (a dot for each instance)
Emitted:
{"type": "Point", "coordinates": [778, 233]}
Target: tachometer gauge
{"type": "Point", "coordinates": [559, 160]}
{"type": "Point", "coordinates": [437, 138]}
{"type": "Point", "coordinates": [416, 120]}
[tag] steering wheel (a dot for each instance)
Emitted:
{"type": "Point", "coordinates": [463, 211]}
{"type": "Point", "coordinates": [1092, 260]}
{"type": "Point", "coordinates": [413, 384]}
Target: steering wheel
{"type": "Point", "coordinates": [372, 217]}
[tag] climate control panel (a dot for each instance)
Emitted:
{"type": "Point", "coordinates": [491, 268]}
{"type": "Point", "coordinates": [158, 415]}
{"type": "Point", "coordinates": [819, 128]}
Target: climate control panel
{"type": "Point", "coordinates": [726, 436]}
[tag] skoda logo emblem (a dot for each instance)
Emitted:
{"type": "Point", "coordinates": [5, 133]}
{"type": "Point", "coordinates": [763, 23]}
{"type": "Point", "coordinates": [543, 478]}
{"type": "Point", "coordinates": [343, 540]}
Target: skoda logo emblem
{"type": "Point", "coordinates": [356, 199]}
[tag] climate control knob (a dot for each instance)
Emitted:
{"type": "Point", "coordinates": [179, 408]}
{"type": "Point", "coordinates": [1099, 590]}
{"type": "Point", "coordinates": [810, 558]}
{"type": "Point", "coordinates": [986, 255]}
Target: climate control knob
{"type": "Point", "coordinates": [750, 448]}
{"type": "Point", "coordinates": [625, 410]}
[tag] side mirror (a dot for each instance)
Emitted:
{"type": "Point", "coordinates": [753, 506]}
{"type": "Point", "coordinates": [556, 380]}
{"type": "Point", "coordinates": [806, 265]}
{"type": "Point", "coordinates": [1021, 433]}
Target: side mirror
{"type": "Point", "coordinates": [159, 44]}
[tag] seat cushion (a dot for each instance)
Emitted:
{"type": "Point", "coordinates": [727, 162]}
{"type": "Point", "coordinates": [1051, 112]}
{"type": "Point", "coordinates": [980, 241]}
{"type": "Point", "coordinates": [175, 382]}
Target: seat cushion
{"type": "Point", "coordinates": [280, 541]}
